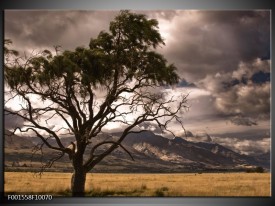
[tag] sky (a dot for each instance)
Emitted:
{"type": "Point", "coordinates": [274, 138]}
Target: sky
{"type": "Point", "coordinates": [222, 58]}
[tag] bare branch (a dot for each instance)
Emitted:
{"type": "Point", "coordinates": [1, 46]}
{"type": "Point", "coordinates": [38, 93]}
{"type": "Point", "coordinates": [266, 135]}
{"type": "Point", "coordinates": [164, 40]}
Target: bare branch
{"type": "Point", "coordinates": [114, 144]}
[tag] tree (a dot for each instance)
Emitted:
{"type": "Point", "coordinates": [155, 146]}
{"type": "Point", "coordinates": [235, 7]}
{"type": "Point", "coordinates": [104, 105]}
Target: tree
{"type": "Point", "coordinates": [258, 169]}
{"type": "Point", "coordinates": [112, 81]}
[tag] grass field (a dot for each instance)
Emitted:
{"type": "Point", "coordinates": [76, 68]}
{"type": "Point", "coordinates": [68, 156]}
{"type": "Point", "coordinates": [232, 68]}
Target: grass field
{"type": "Point", "coordinates": [190, 184]}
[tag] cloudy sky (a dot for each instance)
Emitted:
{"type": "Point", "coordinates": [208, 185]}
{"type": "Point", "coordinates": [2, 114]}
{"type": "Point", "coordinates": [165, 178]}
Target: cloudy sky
{"type": "Point", "coordinates": [223, 59]}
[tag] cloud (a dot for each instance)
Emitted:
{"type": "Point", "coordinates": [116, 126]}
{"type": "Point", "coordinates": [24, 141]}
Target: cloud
{"type": "Point", "coordinates": [197, 136]}
{"type": "Point", "coordinates": [151, 126]}
{"type": "Point", "coordinates": [248, 100]}
{"type": "Point", "coordinates": [213, 41]}
{"type": "Point", "coordinates": [243, 121]}
{"type": "Point", "coordinates": [202, 137]}
{"type": "Point", "coordinates": [184, 133]}
{"type": "Point", "coordinates": [245, 146]}
{"type": "Point", "coordinates": [189, 134]}
{"type": "Point", "coordinates": [43, 29]}
{"type": "Point", "coordinates": [184, 83]}
{"type": "Point", "coordinates": [197, 41]}
{"type": "Point", "coordinates": [235, 93]}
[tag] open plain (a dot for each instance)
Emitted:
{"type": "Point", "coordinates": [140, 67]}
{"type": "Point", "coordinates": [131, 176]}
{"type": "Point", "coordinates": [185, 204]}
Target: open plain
{"type": "Point", "coordinates": [110, 184]}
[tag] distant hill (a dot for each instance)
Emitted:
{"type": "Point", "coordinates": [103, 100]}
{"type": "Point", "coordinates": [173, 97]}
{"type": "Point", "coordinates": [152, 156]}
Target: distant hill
{"type": "Point", "coordinates": [152, 153]}
{"type": "Point", "coordinates": [179, 151]}
{"type": "Point", "coordinates": [15, 142]}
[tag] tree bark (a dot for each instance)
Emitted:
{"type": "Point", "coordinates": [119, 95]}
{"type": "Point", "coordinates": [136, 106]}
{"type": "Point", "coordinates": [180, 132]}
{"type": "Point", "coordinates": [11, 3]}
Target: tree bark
{"type": "Point", "coordinates": [78, 182]}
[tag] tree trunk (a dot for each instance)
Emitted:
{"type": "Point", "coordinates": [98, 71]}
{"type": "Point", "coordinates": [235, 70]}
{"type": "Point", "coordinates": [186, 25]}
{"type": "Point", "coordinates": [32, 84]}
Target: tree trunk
{"type": "Point", "coordinates": [78, 182]}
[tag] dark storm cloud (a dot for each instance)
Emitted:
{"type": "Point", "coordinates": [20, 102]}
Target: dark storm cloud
{"type": "Point", "coordinates": [252, 29]}
{"type": "Point", "coordinates": [231, 17]}
{"type": "Point", "coordinates": [40, 29]}
{"type": "Point", "coordinates": [206, 42]}
{"type": "Point", "coordinates": [203, 41]}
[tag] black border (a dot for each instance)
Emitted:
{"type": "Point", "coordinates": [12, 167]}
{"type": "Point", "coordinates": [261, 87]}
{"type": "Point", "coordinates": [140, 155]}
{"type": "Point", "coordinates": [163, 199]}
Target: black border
{"type": "Point", "coordinates": [135, 5]}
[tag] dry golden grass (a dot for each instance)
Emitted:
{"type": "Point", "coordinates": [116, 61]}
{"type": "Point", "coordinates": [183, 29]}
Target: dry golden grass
{"type": "Point", "coordinates": [207, 184]}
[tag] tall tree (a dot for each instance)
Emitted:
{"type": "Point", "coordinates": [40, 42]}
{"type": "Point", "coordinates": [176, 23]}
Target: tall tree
{"type": "Point", "coordinates": [111, 82]}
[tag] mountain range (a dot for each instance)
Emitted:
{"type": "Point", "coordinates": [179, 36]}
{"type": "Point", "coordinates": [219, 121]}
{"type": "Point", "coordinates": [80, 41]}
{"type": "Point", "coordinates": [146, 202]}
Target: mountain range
{"type": "Point", "coordinates": [151, 153]}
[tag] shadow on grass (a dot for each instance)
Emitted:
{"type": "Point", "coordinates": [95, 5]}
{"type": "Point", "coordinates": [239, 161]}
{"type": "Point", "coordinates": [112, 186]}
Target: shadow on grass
{"type": "Point", "coordinates": [141, 192]}
{"type": "Point", "coordinates": [160, 192]}
{"type": "Point", "coordinates": [98, 192]}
